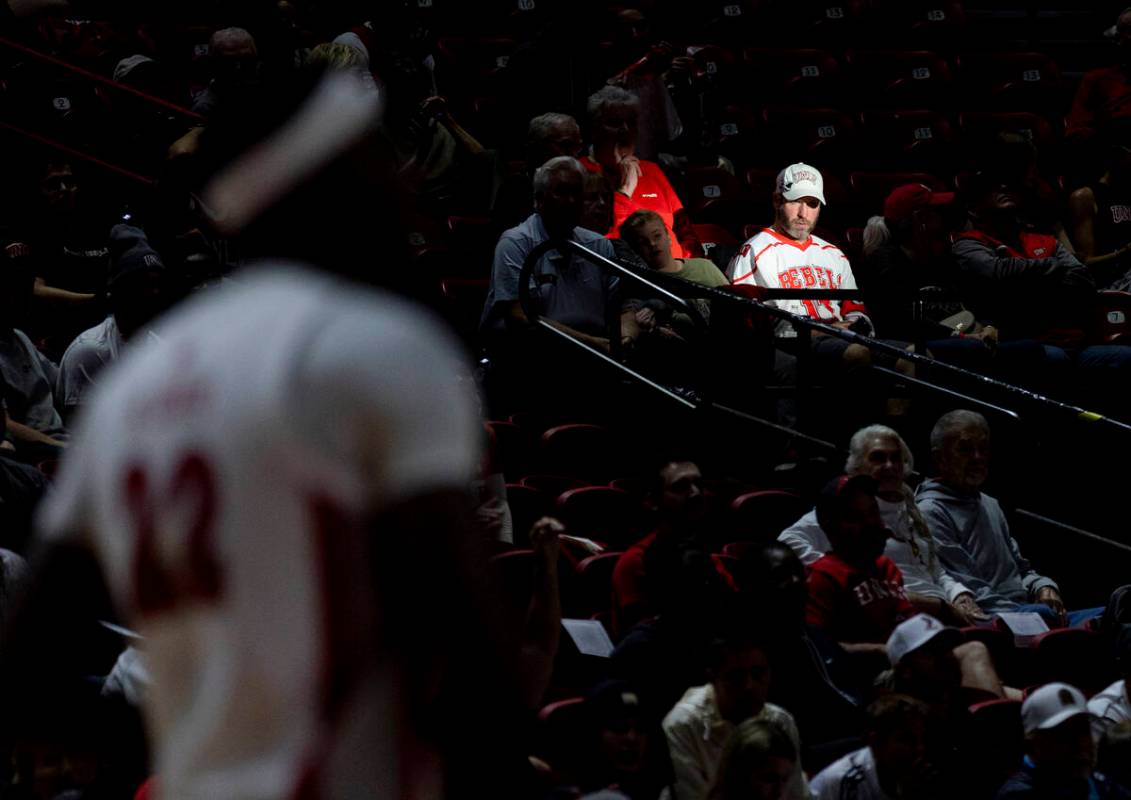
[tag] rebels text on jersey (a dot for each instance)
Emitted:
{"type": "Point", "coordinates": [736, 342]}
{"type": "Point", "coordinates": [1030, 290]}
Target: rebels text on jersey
{"type": "Point", "coordinates": [774, 261]}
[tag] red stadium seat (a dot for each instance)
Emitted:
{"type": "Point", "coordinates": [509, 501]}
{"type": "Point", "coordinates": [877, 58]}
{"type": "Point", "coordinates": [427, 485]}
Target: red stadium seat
{"type": "Point", "coordinates": [824, 137]}
{"type": "Point", "coordinates": [1012, 80]}
{"type": "Point", "coordinates": [995, 739]}
{"type": "Point", "coordinates": [1076, 656]}
{"type": "Point", "coordinates": [552, 485]}
{"type": "Point", "coordinates": [561, 725]}
{"type": "Point", "coordinates": [714, 234]}
{"type": "Point", "coordinates": [595, 584]}
{"type": "Point", "coordinates": [761, 516]}
{"type": "Point", "coordinates": [602, 514]}
{"type": "Point", "coordinates": [909, 139]}
{"type": "Point", "coordinates": [1115, 317]}
{"type": "Point", "coordinates": [793, 77]}
{"type": "Point", "coordinates": [583, 451]}
{"type": "Point", "coordinates": [980, 127]}
{"type": "Point", "coordinates": [737, 132]}
{"type": "Point", "coordinates": [711, 194]}
{"type": "Point", "coordinates": [899, 78]}
{"type": "Point", "coordinates": [870, 189]}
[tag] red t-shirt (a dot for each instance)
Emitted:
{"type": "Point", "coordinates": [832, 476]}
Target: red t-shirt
{"type": "Point", "coordinates": [631, 602]}
{"type": "Point", "coordinates": [856, 606]}
{"type": "Point", "coordinates": [1103, 95]}
{"type": "Point", "coordinates": [653, 192]}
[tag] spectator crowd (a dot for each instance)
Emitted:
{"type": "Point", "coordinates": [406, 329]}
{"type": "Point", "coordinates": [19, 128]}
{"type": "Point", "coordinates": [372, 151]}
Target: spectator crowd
{"type": "Point", "coordinates": [578, 190]}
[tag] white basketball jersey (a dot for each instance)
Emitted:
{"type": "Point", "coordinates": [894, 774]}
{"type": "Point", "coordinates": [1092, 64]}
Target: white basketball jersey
{"type": "Point", "coordinates": [221, 474]}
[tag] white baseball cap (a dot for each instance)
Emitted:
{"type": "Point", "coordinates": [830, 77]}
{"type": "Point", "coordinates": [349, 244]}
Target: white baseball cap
{"type": "Point", "coordinates": [801, 180]}
{"type": "Point", "coordinates": [1051, 705]}
{"type": "Point", "coordinates": [911, 634]}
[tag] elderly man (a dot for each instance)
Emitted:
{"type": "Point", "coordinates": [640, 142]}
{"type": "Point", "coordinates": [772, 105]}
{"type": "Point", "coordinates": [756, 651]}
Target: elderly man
{"type": "Point", "coordinates": [548, 136]}
{"type": "Point", "coordinates": [614, 116]}
{"type": "Point", "coordinates": [971, 532]}
{"type": "Point", "coordinates": [880, 452]}
{"type": "Point", "coordinates": [573, 293]}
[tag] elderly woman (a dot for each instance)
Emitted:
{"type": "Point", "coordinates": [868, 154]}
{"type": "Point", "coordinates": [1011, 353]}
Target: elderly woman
{"type": "Point", "coordinates": [880, 452]}
{"type": "Point", "coordinates": [614, 116]}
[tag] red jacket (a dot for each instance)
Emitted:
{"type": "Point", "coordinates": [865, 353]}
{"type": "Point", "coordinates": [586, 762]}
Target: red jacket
{"type": "Point", "coordinates": [856, 606]}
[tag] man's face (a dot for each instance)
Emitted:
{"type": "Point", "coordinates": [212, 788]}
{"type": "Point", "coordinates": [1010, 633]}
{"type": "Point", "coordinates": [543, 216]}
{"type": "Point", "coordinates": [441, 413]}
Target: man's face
{"type": "Point", "coordinates": [682, 499]}
{"type": "Point", "coordinates": [861, 534]}
{"type": "Point", "coordinates": [561, 204]}
{"type": "Point", "coordinates": [624, 744]}
{"type": "Point", "coordinates": [653, 243]}
{"type": "Point", "coordinates": [883, 460]}
{"type": "Point", "coordinates": [1066, 752]}
{"type": "Point", "coordinates": [564, 140]}
{"type": "Point", "coordinates": [964, 460]}
{"type": "Point", "coordinates": [933, 670]}
{"type": "Point", "coordinates": [742, 684]}
{"type": "Point", "coordinates": [899, 755]}
{"type": "Point", "coordinates": [796, 218]}
{"type": "Point", "coordinates": [60, 189]}
{"type": "Point", "coordinates": [137, 299]}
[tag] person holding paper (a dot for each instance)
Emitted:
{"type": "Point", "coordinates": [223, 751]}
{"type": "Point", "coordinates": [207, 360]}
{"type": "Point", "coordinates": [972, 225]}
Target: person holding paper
{"type": "Point", "coordinates": [971, 532]}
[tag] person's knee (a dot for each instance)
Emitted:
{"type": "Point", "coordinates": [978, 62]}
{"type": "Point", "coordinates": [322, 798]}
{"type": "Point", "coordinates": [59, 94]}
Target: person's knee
{"type": "Point", "coordinates": [857, 356]}
{"type": "Point", "coordinates": [973, 653]}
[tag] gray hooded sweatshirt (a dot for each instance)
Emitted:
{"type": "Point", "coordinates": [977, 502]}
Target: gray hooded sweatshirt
{"type": "Point", "coordinates": [973, 543]}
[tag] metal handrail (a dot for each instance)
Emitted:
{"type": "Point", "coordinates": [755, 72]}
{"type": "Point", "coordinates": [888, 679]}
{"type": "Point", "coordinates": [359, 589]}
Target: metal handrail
{"type": "Point", "coordinates": [699, 403]}
{"type": "Point", "coordinates": [1028, 395]}
{"type": "Point", "coordinates": [653, 279]}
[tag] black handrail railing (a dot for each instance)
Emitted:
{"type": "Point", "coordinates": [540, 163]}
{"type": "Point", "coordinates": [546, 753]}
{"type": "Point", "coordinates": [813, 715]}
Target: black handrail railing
{"type": "Point", "coordinates": [1019, 392]}
{"type": "Point", "coordinates": [653, 280]}
{"type": "Point", "coordinates": [535, 318]}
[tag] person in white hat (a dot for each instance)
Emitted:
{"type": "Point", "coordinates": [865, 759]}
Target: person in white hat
{"type": "Point", "coordinates": [1060, 754]}
{"type": "Point", "coordinates": [934, 663]}
{"type": "Point", "coordinates": [787, 255]}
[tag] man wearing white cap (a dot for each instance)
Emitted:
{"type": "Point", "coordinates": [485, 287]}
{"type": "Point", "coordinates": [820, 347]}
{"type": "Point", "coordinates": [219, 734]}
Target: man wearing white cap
{"type": "Point", "coordinates": [788, 256]}
{"type": "Point", "coordinates": [1060, 754]}
{"type": "Point", "coordinates": [933, 662]}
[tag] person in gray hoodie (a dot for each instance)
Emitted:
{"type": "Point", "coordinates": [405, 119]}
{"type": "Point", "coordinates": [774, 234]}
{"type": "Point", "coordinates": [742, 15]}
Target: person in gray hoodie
{"type": "Point", "coordinates": [971, 532]}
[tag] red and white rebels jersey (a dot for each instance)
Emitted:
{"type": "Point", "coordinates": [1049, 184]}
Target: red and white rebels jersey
{"type": "Point", "coordinates": [775, 261]}
{"type": "Point", "coordinates": [219, 474]}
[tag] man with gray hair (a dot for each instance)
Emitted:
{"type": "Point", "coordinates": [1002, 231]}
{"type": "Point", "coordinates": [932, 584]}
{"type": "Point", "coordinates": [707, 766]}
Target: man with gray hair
{"type": "Point", "coordinates": [548, 136]}
{"type": "Point", "coordinates": [234, 59]}
{"type": "Point", "coordinates": [971, 531]}
{"type": "Point", "coordinates": [573, 294]}
{"type": "Point", "coordinates": [880, 452]}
